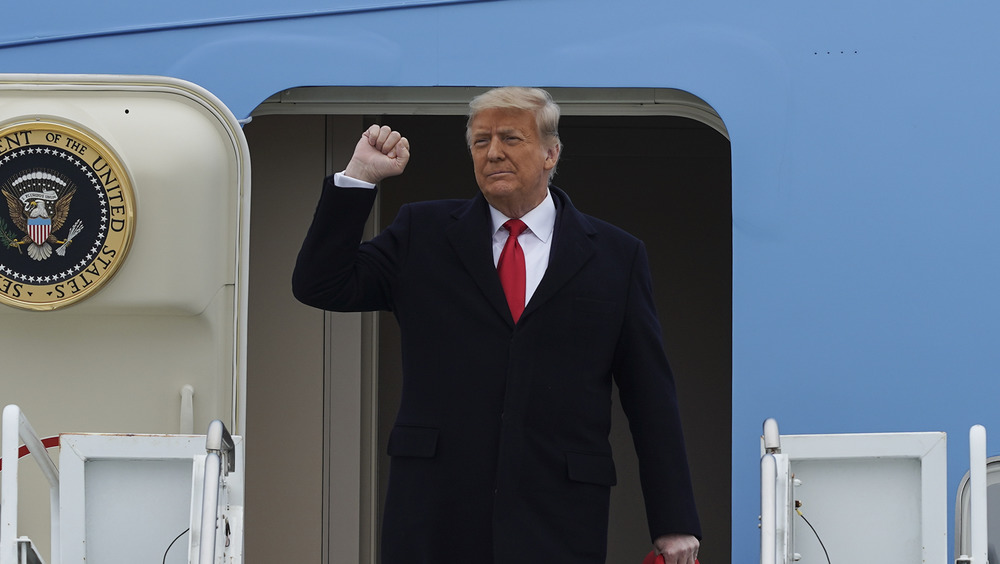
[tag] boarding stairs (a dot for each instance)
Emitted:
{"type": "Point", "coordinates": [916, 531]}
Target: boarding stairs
{"type": "Point", "coordinates": [126, 498]}
{"type": "Point", "coordinates": [877, 497]}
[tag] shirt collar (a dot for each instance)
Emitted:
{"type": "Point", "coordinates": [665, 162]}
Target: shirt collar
{"type": "Point", "coordinates": [541, 220]}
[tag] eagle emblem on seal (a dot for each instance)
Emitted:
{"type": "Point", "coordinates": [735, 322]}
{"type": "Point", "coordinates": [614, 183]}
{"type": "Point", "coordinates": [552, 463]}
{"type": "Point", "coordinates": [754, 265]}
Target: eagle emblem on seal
{"type": "Point", "coordinates": [39, 201]}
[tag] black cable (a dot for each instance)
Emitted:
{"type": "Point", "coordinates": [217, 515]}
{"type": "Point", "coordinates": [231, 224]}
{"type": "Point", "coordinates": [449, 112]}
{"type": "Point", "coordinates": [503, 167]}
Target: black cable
{"type": "Point", "coordinates": [171, 545]}
{"type": "Point", "coordinates": [817, 535]}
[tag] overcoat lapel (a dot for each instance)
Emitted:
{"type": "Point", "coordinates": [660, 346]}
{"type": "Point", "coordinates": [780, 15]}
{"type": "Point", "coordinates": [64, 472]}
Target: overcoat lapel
{"type": "Point", "coordinates": [471, 238]}
{"type": "Point", "coordinates": [572, 247]}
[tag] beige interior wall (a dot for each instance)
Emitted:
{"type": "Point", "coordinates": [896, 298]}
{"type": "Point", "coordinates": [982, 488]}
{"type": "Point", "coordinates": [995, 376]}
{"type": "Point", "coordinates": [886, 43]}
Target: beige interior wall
{"type": "Point", "coordinates": [284, 435]}
{"type": "Point", "coordinates": [307, 485]}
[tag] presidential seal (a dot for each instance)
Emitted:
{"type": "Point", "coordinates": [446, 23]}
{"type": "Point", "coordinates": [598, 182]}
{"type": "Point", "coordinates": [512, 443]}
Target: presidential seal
{"type": "Point", "coordinates": [69, 214]}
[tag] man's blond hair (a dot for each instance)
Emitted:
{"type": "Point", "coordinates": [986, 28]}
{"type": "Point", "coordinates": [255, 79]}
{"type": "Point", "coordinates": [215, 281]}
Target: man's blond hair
{"type": "Point", "coordinates": [534, 100]}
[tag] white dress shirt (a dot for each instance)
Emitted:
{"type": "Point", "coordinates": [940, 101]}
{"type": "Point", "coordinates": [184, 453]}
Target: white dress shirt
{"type": "Point", "coordinates": [535, 241]}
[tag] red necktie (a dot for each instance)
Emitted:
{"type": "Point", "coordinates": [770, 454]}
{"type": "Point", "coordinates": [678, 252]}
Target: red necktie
{"type": "Point", "coordinates": [511, 268]}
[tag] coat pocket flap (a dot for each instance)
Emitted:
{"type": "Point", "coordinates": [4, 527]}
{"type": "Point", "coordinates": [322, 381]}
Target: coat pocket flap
{"type": "Point", "coordinates": [413, 441]}
{"type": "Point", "coordinates": [591, 468]}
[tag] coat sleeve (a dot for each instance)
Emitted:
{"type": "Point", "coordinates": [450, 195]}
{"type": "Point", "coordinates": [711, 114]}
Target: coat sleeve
{"type": "Point", "coordinates": [649, 399]}
{"type": "Point", "coordinates": [334, 269]}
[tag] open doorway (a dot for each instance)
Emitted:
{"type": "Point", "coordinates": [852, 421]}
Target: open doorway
{"type": "Point", "coordinates": [664, 178]}
{"type": "Point", "coordinates": [667, 180]}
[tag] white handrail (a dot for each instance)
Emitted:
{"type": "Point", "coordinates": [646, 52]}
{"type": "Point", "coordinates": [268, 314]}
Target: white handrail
{"type": "Point", "coordinates": [219, 441]}
{"type": "Point", "coordinates": [209, 509]}
{"type": "Point", "coordinates": [772, 440]}
{"type": "Point", "coordinates": [769, 494]}
{"type": "Point", "coordinates": [16, 428]}
{"type": "Point", "coordinates": [768, 510]}
{"type": "Point", "coordinates": [220, 461]}
{"type": "Point", "coordinates": [978, 530]}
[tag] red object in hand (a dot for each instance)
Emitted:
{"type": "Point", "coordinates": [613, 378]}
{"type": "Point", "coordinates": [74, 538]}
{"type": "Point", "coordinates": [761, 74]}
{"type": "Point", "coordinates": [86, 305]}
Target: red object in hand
{"type": "Point", "coordinates": [654, 558]}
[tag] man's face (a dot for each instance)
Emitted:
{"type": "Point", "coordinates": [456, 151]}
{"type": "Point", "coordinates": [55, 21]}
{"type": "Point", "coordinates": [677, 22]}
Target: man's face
{"type": "Point", "coordinates": [511, 161]}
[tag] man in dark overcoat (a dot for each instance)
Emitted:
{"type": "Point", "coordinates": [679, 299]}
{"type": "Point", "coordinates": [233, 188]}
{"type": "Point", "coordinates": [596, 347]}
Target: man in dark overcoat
{"type": "Point", "coordinates": [516, 314]}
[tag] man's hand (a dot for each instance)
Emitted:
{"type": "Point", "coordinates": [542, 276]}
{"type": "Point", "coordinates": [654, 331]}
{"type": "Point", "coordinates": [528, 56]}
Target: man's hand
{"type": "Point", "coordinates": [380, 153]}
{"type": "Point", "coordinates": [677, 549]}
